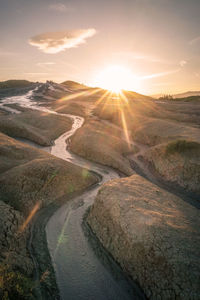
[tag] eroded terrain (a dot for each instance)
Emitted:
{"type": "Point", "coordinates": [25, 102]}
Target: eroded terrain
{"type": "Point", "coordinates": [151, 233]}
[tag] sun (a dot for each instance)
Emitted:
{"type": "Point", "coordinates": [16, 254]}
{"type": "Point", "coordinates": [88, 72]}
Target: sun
{"type": "Point", "coordinates": [115, 78]}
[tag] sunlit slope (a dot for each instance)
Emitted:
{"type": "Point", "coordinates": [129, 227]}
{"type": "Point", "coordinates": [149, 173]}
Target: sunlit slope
{"type": "Point", "coordinates": [39, 127]}
{"type": "Point", "coordinates": [104, 144]}
{"type": "Point", "coordinates": [156, 126]}
{"type": "Point", "coordinates": [147, 121]}
{"type": "Point", "coordinates": [74, 85]}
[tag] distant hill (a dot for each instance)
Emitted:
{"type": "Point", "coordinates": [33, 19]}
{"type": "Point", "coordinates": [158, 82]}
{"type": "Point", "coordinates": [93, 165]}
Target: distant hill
{"type": "Point", "coordinates": [187, 99]}
{"type": "Point", "coordinates": [181, 95]}
{"type": "Point", "coordinates": [156, 96]}
{"type": "Point", "coordinates": [135, 95]}
{"type": "Point", "coordinates": [187, 94]}
{"type": "Point", "coordinates": [74, 85]}
{"type": "Point", "coordinates": [15, 84]}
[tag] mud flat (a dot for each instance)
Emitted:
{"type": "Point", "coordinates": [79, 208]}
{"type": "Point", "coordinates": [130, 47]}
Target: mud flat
{"type": "Point", "coordinates": [153, 234]}
{"type": "Point", "coordinates": [39, 127]}
{"type": "Point", "coordinates": [101, 143]}
{"type": "Point", "coordinates": [178, 163]}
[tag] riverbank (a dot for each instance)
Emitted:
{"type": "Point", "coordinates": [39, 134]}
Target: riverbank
{"type": "Point", "coordinates": [46, 288]}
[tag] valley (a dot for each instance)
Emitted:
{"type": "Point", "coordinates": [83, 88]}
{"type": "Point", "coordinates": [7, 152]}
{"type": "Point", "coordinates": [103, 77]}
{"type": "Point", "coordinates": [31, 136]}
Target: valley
{"type": "Point", "coordinates": [100, 191]}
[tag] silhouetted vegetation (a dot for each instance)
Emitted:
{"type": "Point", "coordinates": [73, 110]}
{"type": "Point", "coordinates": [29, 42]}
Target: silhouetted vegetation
{"type": "Point", "coordinates": [166, 97]}
{"type": "Point", "coordinates": [186, 99]}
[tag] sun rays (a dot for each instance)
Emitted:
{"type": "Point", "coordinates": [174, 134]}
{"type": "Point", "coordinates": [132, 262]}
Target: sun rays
{"type": "Point", "coordinates": [110, 105]}
{"type": "Point", "coordinates": [115, 78]}
{"type": "Point", "coordinates": [113, 104]}
{"type": "Point", "coordinates": [86, 93]}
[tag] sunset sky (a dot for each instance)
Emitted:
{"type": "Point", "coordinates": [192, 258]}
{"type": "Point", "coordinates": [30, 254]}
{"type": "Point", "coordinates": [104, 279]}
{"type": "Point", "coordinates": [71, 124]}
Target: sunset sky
{"type": "Point", "coordinates": [157, 41]}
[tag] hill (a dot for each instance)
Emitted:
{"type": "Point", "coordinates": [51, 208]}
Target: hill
{"type": "Point", "coordinates": [15, 84]}
{"type": "Point", "coordinates": [187, 94]}
{"type": "Point", "coordinates": [180, 95]}
{"type": "Point", "coordinates": [74, 85]}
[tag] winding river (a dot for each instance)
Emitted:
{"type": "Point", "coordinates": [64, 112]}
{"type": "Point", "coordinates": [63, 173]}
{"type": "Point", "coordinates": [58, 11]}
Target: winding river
{"type": "Point", "coordinates": [80, 273]}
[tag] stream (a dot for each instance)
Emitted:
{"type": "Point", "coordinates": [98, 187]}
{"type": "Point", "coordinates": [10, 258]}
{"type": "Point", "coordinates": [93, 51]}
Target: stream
{"type": "Point", "coordinates": [81, 271]}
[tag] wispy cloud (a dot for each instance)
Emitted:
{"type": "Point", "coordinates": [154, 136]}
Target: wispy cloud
{"type": "Point", "coordinates": [182, 63]}
{"type": "Point", "coordinates": [54, 42]}
{"type": "Point", "coordinates": [155, 75]}
{"type": "Point", "coordinates": [142, 56]}
{"type": "Point", "coordinates": [49, 63]}
{"type": "Point", "coordinates": [59, 7]}
{"type": "Point", "coordinates": [195, 40]}
{"type": "Point", "coordinates": [168, 83]}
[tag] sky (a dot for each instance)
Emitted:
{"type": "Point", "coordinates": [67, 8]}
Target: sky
{"type": "Point", "coordinates": [157, 41]}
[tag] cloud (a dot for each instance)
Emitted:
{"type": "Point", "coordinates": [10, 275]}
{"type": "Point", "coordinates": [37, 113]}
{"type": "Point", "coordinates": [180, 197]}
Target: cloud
{"type": "Point", "coordinates": [59, 7]}
{"type": "Point", "coordinates": [155, 75]}
{"type": "Point", "coordinates": [54, 42]}
{"type": "Point", "coordinates": [195, 40]}
{"type": "Point", "coordinates": [182, 63]}
{"type": "Point", "coordinates": [142, 56]}
{"type": "Point", "coordinates": [49, 63]}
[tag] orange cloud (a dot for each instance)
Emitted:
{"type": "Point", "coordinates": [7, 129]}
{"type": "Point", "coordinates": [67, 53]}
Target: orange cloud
{"type": "Point", "coordinates": [54, 42]}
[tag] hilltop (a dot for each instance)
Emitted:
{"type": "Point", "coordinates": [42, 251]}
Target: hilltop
{"type": "Point", "coordinates": [74, 85]}
{"type": "Point", "coordinates": [15, 83]}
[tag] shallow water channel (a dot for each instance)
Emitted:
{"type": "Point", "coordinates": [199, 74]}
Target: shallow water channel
{"type": "Point", "coordinates": [83, 270]}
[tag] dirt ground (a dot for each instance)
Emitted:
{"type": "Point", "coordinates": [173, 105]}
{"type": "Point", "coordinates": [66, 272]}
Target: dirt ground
{"type": "Point", "coordinates": [153, 234]}
{"type": "Point", "coordinates": [39, 127]}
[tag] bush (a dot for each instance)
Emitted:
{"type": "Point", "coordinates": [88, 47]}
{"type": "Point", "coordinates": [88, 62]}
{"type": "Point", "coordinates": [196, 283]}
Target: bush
{"type": "Point", "coordinates": [14, 285]}
{"type": "Point", "coordinates": [166, 97]}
